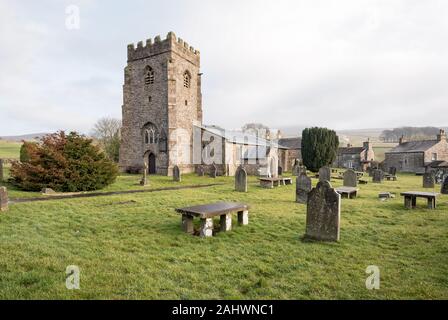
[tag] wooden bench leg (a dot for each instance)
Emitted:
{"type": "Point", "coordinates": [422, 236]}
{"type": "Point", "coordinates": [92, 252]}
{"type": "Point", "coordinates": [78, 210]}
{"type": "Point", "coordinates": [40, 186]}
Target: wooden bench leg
{"type": "Point", "coordinates": [353, 195]}
{"type": "Point", "coordinates": [414, 202]}
{"type": "Point", "coordinates": [226, 222]}
{"type": "Point", "coordinates": [187, 224]}
{"type": "Point", "coordinates": [407, 202]}
{"type": "Point", "coordinates": [206, 227]}
{"type": "Point", "coordinates": [431, 203]}
{"type": "Point", "coordinates": [243, 217]}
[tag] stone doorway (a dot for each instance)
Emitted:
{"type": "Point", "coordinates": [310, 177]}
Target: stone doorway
{"type": "Point", "coordinates": [152, 163]}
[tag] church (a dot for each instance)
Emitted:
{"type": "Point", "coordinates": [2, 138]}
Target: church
{"type": "Point", "coordinates": [162, 119]}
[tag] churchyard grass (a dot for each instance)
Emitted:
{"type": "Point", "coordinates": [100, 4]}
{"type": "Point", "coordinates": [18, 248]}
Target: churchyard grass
{"type": "Point", "coordinates": [9, 150]}
{"type": "Point", "coordinates": [132, 246]}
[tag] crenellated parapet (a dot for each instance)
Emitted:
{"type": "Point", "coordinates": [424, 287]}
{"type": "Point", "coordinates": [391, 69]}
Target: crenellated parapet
{"type": "Point", "coordinates": [158, 46]}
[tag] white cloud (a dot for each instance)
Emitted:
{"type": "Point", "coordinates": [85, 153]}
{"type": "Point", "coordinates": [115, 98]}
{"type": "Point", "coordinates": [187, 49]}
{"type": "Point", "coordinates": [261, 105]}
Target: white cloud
{"type": "Point", "coordinates": [342, 64]}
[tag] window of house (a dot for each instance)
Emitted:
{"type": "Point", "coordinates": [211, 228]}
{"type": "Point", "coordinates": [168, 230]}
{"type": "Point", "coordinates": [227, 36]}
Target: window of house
{"type": "Point", "coordinates": [186, 102]}
{"type": "Point", "coordinates": [149, 99]}
{"type": "Point", "coordinates": [149, 75]}
{"type": "Point", "coordinates": [434, 157]}
{"type": "Point", "coordinates": [187, 79]}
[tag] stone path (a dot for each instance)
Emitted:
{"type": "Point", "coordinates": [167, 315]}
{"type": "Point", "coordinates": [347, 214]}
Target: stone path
{"type": "Point", "coordinates": [111, 193]}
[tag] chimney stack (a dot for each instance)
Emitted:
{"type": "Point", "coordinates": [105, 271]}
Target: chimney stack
{"type": "Point", "coordinates": [442, 135]}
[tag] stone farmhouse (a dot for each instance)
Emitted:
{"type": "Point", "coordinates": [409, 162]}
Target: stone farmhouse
{"type": "Point", "coordinates": [414, 156]}
{"type": "Point", "coordinates": [356, 158]}
{"type": "Point", "coordinates": [162, 118]}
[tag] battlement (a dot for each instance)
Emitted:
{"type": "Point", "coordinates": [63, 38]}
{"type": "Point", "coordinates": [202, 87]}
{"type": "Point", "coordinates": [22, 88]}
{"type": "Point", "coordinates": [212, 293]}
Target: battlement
{"type": "Point", "coordinates": [149, 48]}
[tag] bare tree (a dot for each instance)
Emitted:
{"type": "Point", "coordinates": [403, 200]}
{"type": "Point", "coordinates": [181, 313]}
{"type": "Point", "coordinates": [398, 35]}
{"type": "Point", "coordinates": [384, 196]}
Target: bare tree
{"type": "Point", "coordinates": [107, 131]}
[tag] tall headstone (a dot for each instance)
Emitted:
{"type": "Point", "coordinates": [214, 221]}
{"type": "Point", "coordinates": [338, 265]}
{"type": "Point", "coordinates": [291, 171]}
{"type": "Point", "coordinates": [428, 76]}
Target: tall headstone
{"type": "Point", "coordinates": [323, 213]}
{"type": "Point", "coordinates": [296, 170]}
{"type": "Point", "coordinates": [176, 174]}
{"type": "Point", "coordinates": [3, 199]}
{"type": "Point", "coordinates": [280, 171]}
{"type": "Point", "coordinates": [241, 180]}
{"type": "Point", "coordinates": [444, 189]}
{"type": "Point", "coordinates": [213, 171]}
{"type": "Point", "coordinates": [325, 174]}
{"type": "Point", "coordinates": [303, 188]}
{"type": "Point", "coordinates": [2, 176]}
{"type": "Point", "coordinates": [200, 171]}
{"type": "Point", "coordinates": [350, 178]}
{"type": "Point", "coordinates": [377, 176]}
{"type": "Point", "coordinates": [428, 180]}
{"type": "Point", "coordinates": [144, 180]}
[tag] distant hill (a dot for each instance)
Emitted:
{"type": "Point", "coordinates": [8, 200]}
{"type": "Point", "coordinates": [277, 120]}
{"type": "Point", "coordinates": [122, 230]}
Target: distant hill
{"type": "Point", "coordinates": [26, 137]}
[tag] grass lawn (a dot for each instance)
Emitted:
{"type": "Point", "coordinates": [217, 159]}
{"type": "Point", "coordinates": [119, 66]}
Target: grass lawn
{"type": "Point", "coordinates": [132, 247]}
{"type": "Point", "coordinates": [10, 150]}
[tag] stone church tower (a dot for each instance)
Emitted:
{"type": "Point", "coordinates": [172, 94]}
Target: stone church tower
{"type": "Point", "coordinates": [161, 102]}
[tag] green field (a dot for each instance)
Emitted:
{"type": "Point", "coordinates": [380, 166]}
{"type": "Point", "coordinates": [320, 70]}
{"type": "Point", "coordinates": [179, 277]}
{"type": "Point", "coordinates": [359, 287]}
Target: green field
{"type": "Point", "coordinates": [9, 150]}
{"type": "Point", "coordinates": [132, 246]}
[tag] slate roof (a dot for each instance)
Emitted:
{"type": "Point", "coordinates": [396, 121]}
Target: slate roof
{"type": "Point", "coordinates": [291, 143]}
{"type": "Point", "coordinates": [239, 137]}
{"type": "Point", "coordinates": [350, 150]}
{"type": "Point", "coordinates": [414, 146]}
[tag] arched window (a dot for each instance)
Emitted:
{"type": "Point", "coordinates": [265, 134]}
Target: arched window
{"type": "Point", "coordinates": [150, 133]}
{"type": "Point", "coordinates": [187, 79]}
{"type": "Point", "coordinates": [149, 75]}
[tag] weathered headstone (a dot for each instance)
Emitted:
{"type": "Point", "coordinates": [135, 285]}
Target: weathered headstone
{"type": "Point", "coordinates": [47, 191]}
{"type": "Point", "coordinates": [213, 171]}
{"type": "Point", "coordinates": [296, 170]}
{"type": "Point", "coordinates": [144, 180]}
{"type": "Point", "coordinates": [3, 199]}
{"type": "Point", "coordinates": [2, 176]}
{"type": "Point", "coordinates": [350, 178]}
{"type": "Point", "coordinates": [280, 171]}
{"type": "Point", "coordinates": [241, 180]}
{"type": "Point", "coordinates": [200, 171]}
{"type": "Point", "coordinates": [377, 176]}
{"type": "Point", "coordinates": [303, 188]}
{"type": "Point", "coordinates": [323, 213]}
{"type": "Point", "coordinates": [428, 180]}
{"type": "Point", "coordinates": [325, 174]}
{"type": "Point", "coordinates": [393, 171]}
{"type": "Point", "coordinates": [176, 174]}
{"type": "Point", "coordinates": [444, 188]}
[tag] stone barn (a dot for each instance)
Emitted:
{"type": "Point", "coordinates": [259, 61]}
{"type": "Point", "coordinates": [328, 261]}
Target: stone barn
{"type": "Point", "coordinates": [356, 158]}
{"type": "Point", "coordinates": [414, 156]}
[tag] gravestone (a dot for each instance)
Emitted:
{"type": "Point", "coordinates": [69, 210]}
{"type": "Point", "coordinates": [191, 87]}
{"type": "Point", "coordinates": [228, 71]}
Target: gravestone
{"type": "Point", "coordinates": [200, 171]}
{"type": "Point", "coordinates": [428, 180]}
{"type": "Point", "coordinates": [444, 189]}
{"type": "Point", "coordinates": [296, 170]}
{"type": "Point", "coordinates": [325, 174]}
{"type": "Point", "coordinates": [377, 176]}
{"type": "Point", "coordinates": [47, 191]}
{"type": "Point", "coordinates": [2, 176]}
{"type": "Point", "coordinates": [393, 171]}
{"type": "Point", "coordinates": [280, 171]}
{"type": "Point", "coordinates": [3, 199]}
{"type": "Point", "coordinates": [350, 178]}
{"type": "Point", "coordinates": [241, 180]}
{"type": "Point", "coordinates": [213, 171]}
{"type": "Point", "coordinates": [144, 180]}
{"type": "Point", "coordinates": [176, 174]}
{"type": "Point", "coordinates": [303, 188]}
{"type": "Point", "coordinates": [323, 213]}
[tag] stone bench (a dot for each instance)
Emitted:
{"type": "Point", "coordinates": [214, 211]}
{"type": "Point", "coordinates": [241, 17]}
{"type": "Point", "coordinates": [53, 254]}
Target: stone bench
{"type": "Point", "coordinates": [391, 178]}
{"type": "Point", "coordinates": [347, 192]}
{"type": "Point", "coordinates": [206, 213]}
{"type": "Point", "coordinates": [410, 198]}
{"type": "Point", "coordinates": [274, 182]}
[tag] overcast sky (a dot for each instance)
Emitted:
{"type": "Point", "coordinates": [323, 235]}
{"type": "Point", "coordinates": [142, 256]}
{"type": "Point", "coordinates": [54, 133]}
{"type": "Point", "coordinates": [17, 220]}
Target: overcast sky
{"type": "Point", "coordinates": [343, 64]}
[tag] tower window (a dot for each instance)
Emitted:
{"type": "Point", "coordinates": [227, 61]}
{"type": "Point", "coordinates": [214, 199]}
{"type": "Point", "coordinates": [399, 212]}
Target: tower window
{"type": "Point", "coordinates": [149, 75]}
{"type": "Point", "coordinates": [187, 79]}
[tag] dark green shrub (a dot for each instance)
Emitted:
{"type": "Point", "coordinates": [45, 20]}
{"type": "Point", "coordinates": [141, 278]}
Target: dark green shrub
{"type": "Point", "coordinates": [319, 147]}
{"type": "Point", "coordinates": [66, 163]}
